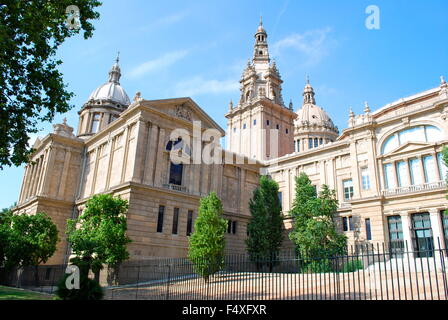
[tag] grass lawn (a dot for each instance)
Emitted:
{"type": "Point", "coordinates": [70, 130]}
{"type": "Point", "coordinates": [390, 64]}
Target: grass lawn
{"type": "Point", "coordinates": [7, 293]}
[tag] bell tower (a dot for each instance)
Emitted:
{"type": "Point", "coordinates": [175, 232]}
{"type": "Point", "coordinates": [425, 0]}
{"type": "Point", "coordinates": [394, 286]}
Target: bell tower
{"type": "Point", "coordinates": [260, 126]}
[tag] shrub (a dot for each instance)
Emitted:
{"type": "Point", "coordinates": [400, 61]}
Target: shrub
{"type": "Point", "coordinates": [352, 266]}
{"type": "Point", "coordinates": [318, 266]}
{"type": "Point", "coordinates": [89, 289]}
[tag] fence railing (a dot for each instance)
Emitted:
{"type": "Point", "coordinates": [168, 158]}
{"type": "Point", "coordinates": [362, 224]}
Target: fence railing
{"type": "Point", "coordinates": [361, 272]}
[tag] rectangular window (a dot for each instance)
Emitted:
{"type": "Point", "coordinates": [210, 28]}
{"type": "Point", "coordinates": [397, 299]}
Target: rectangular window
{"type": "Point", "coordinates": [422, 235]}
{"type": "Point", "coordinates": [389, 180]}
{"type": "Point", "coordinates": [395, 235]}
{"type": "Point", "coordinates": [267, 122]}
{"type": "Point", "coordinates": [189, 222]}
{"type": "Point", "coordinates": [95, 123]}
{"type": "Point", "coordinates": [365, 179]}
{"type": "Point", "coordinates": [368, 230]}
{"type": "Point", "coordinates": [244, 126]}
{"type": "Point", "coordinates": [175, 220]}
{"type": "Point", "coordinates": [176, 172]}
{"type": "Point", "coordinates": [348, 189]}
{"type": "Point", "coordinates": [445, 227]}
{"type": "Point", "coordinates": [229, 226]}
{"type": "Point", "coordinates": [344, 223]}
{"type": "Point", "coordinates": [287, 131]}
{"type": "Point", "coordinates": [234, 227]}
{"type": "Point", "coordinates": [350, 223]}
{"type": "Point", "coordinates": [310, 143]}
{"type": "Point", "coordinates": [429, 168]}
{"type": "Point", "coordinates": [280, 199]}
{"type": "Point", "coordinates": [298, 145]}
{"type": "Point", "coordinates": [160, 219]}
{"type": "Point", "coordinates": [255, 122]}
{"type": "Point", "coordinates": [442, 167]}
{"type": "Point", "coordinates": [402, 174]}
{"type": "Point", "coordinates": [414, 168]}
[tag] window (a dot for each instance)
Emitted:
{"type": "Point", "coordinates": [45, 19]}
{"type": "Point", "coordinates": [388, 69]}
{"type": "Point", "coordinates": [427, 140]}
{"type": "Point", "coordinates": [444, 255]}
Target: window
{"type": "Point", "coordinates": [348, 189]}
{"type": "Point", "coordinates": [414, 168]}
{"type": "Point", "coordinates": [344, 224]}
{"type": "Point", "coordinates": [112, 118]}
{"type": "Point", "coordinates": [280, 199]}
{"type": "Point", "coordinates": [350, 223]}
{"type": "Point", "coordinates": [176, 171]}
{"type": "Point", "coordinates": [287, 131]}
{"type": "Point", "coordinates": [267, 122]}
{"type": "Point", "coordinates": [389, 180]}
{"type": "Point", "coordinates": [255, 122]}
{"type": "Point", "coordinates": [310, 143]}
{"type": "Point", "coordinates": [445, 227]}
{"type": "Point", "coordinates": [278, 127]}
{"type": "Point", "coordinates": [402, 174]}
{"type": "Point", "coordinates": [298, 145]}
{"type": "Point", "coordinates": [429, 168]}
{"type": "Point", "coordinates": [321, 141]}
{"type": "Point", "coordinates": [415, 134]}
{"type": "Point", "coordinates": [365, 179]}
{"type": "Point", "coordinates": [395, 235]}
{"type": "Point", "coordinates": [368, 230]}
{"type": "Point", "coordinates": [316, 142]}
{"type": "Point", "coordinates": [295, 146]}
{"type": "Point", "coordinates": [422, 235]}
{"type": "Point", "coordinates": [95, 123]}
{"type": "Point", "coordinates": [175, 220]}
{"type": "Point", "coordinates": [160, 219]}
{"type": "Point", "coordinates": [229, 226]}
{"type": "Point", "coordinates": [189, 222]}
{"type": "Point", "coordinates": [244, 126]}
{"type": "Point", "coordinates": [442, 166]}
{"type": "Point", "coordinates": [234, 227]}
{"type": "Point", "coordinates": [234, 129]}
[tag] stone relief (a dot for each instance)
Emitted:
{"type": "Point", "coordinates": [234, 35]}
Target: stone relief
{"type": "Point", "coordinates": [183, 113]}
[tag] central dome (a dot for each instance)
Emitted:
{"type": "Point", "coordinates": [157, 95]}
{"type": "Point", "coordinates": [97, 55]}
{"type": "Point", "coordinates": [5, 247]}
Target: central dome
{"type": "Point", "coordinates": [313, 115]}
{"type": "Point", "coordinates": [110, 91]}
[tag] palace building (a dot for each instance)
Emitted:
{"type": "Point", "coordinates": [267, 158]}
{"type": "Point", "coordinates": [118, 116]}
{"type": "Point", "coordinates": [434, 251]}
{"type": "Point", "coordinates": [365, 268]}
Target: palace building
{"type": "Point", "coordinates": [386, 166]}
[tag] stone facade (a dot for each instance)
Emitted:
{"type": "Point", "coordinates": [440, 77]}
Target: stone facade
{"type": "Point", "coordinates": [385, 167]}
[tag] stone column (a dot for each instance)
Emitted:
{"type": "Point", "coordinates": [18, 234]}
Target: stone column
{"type": "Point", "coordinates": [395, 176]}
{"type": "Point", "coordinates": [159, 159]}
{"type": "Point", "coordinates": [151, 155]}
{"type": "Point", "coordinates": [407, 232]}
{"type": "Point", "coordinates": [437, 228]}
{"type": "Point", "coordinates": [125, 153]}
{"type": "Point", "coordinates": [24, 180]}
{"type": "Point", "coordinates": [111, 142]}
{"type": "Point", "coordinates": [436, 164]}
{"type": "Point", "coordinates": [422, 169]}
{"type": "Point", "coordinates": [141, 145]}
{"type": "Point", "coordinates": [64, 175]}
{"type": "Point", "coordinates": [47, 174]}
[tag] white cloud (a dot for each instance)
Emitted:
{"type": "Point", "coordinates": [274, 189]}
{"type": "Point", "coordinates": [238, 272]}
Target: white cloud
{"type": "Point", "coordinates": [159, 63]}
{"type": "Point", "coordinates": [198, 85]}
{"type": "Point", "coordinates": [313, 45]}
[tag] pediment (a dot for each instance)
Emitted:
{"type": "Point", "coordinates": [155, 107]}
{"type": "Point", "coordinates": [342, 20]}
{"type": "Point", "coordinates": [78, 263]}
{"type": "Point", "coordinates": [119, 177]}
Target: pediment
{"type": "Point", "coordinates": [184, 109]}
{"type": "Point", "coordinates": [408, 147]}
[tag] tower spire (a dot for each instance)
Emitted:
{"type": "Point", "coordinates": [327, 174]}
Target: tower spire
{"type": "Point", "coordinates": [261, 53]}
{"type": "Point", "coordinates": [308, 93]}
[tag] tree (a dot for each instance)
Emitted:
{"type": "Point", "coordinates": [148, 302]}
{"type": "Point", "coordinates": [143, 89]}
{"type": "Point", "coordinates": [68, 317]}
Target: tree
{"type": "Point", "coordinates": [265, 226]}
{"type": "Point", "coordinates": [31, 86]}
{"type": "Point", "coordinates": [98, 235]}
{"type": "Point", "coordinates": [5, 226]}
{"type": "Point", "coordinates": [207, 242]}
{"type": "Point", "coordinates": [31, 241]}
{"type": "Point", "coordinates": [314, 232]}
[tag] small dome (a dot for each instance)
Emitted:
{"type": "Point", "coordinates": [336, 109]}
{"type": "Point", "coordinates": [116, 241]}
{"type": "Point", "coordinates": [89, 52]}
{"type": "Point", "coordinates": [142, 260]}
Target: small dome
{"type": "Point", "coordinates": [110, 91]}
{"type": "Point", "coordinates": [313, 115]}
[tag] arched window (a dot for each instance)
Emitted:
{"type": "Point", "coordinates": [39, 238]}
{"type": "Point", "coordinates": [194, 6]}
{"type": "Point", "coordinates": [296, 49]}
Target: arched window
{"type": "Point", "coordinates": [415, 134]}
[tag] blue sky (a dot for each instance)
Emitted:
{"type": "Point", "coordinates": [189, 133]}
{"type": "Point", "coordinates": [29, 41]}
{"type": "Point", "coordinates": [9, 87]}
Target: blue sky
{"type": "Point", "coordinates": [199, 49]}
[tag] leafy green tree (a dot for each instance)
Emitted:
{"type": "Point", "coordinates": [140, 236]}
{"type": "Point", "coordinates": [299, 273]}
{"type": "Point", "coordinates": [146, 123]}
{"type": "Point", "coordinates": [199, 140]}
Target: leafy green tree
{"type": "Point", "coordinates": [5, 227]}
{"type": "Point", "coordinates": [31, 241]}
{"type": "Point", "coordinates": [314, 232]}
{"type": "Point", "coordinates": [98, 235]}
{"type": "Point", "coordinates": [265, 226]}
{"type": "Point", "coordinates": [31, 86]}
{"type": "Point", "coordinates": [207, 242]}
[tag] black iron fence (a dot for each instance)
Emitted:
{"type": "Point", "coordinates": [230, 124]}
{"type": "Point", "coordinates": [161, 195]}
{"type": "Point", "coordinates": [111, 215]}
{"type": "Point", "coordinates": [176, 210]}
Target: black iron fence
{"type": "Point", "coordinates": [361, 272]}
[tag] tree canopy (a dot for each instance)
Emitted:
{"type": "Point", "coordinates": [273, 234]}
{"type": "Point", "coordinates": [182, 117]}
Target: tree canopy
{"type": "Point", "coordinates": [98, 235]}
{"type": "Point", "coordinates": [207, 242]}
{"type": "Point", "coordinates": [31, 86]}
{"type": "Point", "coordinates": [265, 228]}
{"type": "Point", "coordinates": [314, 232]}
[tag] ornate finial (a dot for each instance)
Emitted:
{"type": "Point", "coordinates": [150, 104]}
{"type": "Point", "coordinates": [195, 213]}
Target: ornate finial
{"type": "Point", "coordinates": [307, 79]}
{"type": "Point", "coordinates": [138, 96]}
{"type": "Point", "coordinates": [351, 113]}
{"type": "Point", "coordinates": [231, 105]}
{"type": "Point", "coordinates": [261, 20]}
{"type": "Point", "coordinates": [442, 80]}
{"type": "Point", "coordinates": [118, 57]}
{"type": "Point", "coordinates": [366, 107]}
{"type": "Point", "coordinates": [290, 105]}
{"type": "Point", "coordinates": [64, 121]}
